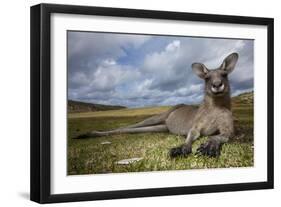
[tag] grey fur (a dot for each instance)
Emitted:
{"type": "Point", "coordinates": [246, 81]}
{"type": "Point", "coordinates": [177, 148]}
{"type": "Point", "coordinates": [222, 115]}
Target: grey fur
{"type": "Point", "coordinates": [213, 118]}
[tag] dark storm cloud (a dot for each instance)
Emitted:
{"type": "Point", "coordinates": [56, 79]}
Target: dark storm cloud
{"type": "Point", "coordinates": [139, 70]}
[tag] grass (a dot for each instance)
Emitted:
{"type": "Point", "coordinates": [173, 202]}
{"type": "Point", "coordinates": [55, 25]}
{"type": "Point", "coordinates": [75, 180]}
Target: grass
{"type": "Point", "coordinates": [87, 156]}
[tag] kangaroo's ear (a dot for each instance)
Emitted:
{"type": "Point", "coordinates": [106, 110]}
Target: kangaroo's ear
{"type": "Point", "coordinates": [200, 70]}
{"type": "Point", "coordinates": [229, 63]}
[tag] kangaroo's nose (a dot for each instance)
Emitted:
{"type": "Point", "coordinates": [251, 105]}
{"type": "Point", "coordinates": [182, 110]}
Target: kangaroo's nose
{"type": "Point", "coordinates": [217, 84]}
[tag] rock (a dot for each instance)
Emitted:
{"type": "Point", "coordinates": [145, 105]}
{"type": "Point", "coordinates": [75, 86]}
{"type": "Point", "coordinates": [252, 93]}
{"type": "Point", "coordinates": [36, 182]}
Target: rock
{"type": "Point", "coordinates": [128, 161]}
{"type": "Point", "coordinates": [106, 142]}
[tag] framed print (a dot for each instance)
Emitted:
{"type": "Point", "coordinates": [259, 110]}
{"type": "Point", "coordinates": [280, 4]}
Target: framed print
{"type": "Point", "coordinates": [133, 103]}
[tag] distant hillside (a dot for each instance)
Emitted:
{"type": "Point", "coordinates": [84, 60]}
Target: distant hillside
{"type": "Point", "coordinates": [78, 106]}
{"type": "Point", "coordinates": [244, 98]}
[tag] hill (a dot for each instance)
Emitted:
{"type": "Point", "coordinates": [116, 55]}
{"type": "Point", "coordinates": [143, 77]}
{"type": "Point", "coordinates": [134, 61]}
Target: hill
{"type": "Point", "coordinates": [244, 98]}
{"type": "Point", "coordinates": [78, 106]}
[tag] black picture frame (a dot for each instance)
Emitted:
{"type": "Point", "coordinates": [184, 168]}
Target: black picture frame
{"type": "Point", "coordinates": [41, 99]}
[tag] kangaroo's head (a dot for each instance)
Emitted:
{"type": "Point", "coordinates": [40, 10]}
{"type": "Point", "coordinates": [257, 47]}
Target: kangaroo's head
{"type": "Point", "coordinates": [216, 80]}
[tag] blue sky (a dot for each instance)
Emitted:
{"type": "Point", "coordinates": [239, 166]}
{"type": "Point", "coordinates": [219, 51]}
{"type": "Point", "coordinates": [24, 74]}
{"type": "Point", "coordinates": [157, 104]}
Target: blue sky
{"type": "Point", "coordinates": [145, 70]}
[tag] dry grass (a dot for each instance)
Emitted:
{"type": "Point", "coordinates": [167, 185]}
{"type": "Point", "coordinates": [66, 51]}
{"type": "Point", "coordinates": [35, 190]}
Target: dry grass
{"type": "Point", "coordinates": [148, 111]}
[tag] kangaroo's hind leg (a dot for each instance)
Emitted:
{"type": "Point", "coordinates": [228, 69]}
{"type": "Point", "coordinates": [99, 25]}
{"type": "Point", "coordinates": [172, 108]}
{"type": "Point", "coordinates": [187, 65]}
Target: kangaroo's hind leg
{"type": "Point", "coordinates": [153, 124]}
{"type": "Point", "coordinates": [155, 120]}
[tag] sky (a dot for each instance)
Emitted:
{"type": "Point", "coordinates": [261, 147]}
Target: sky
{"type": "Point", "coordinates": [149, 70]}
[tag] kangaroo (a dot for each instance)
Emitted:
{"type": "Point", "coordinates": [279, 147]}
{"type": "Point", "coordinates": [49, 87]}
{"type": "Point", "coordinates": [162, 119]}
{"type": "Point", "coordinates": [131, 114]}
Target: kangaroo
{"type": "Point", "coordinates": [213, 118]}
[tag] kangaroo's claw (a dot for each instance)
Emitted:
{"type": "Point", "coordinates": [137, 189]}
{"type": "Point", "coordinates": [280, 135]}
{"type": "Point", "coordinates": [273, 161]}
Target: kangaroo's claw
{"type": "Point", "coordinates": [183, 150]}
{"type": "Point", "coordinates": [211, 148]}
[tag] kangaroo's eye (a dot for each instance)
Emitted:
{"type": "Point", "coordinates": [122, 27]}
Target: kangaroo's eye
{"type": "Point", "coordinates": [224, 74]}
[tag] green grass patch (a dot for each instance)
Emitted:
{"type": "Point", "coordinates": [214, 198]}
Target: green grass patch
{"type": "Point", "coordinates": [87, 156]}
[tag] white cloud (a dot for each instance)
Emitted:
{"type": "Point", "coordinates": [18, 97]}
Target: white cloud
{"type": "Point", "coordinates": [108, 77]}
{"type": "Point", "coordinates": [164, 77]}
{"type": "Point", "coordinates": [98, 44]}
{"type": "Point", "coordinates": [163, 62]}
{"type": "Point", "coordinates": [175, 45]}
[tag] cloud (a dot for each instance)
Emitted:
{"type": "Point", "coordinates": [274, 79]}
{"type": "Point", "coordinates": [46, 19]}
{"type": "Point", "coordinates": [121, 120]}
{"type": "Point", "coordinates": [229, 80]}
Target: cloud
{"type": "Point", "coordinates": [87, 51]}
{"type": "Point", "coordinates": [142, 70]}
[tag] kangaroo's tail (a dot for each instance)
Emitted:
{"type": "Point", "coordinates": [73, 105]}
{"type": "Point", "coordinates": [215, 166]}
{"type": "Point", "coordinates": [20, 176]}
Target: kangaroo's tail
{"type": "Point", "coordinates": [155, 123]}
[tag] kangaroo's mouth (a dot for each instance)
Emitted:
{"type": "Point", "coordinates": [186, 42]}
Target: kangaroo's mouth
{"type": "Point", "coordinates": [217, 90]}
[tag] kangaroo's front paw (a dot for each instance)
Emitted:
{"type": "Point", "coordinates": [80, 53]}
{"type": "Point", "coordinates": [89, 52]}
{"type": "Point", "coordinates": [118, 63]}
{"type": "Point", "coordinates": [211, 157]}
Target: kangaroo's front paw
{"type": "Point", "coordinates": [183, 150]}
{"type": "Point", "coordinates": [211, 148]}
